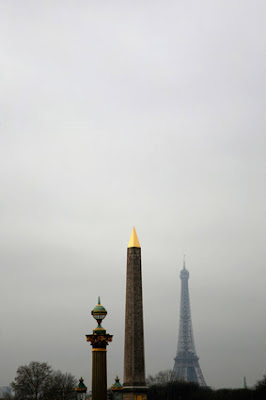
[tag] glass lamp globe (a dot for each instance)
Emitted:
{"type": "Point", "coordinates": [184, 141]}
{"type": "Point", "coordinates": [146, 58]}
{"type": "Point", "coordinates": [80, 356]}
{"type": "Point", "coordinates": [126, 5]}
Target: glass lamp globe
{"type": "Point", "coordinates": [99, 313]}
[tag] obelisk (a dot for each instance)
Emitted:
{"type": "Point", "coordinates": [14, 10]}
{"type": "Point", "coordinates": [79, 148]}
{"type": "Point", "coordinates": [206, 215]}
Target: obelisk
{"type": "Point", "coordinates": [134, 365]}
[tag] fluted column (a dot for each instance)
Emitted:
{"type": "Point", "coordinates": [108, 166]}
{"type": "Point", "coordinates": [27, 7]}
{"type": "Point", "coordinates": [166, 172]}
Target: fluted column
{"type": "Point", "coordinates": [99, 340]}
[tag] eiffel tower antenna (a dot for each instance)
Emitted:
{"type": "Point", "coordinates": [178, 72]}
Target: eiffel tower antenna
{"type": "Point", "coordinates": [186, 367]}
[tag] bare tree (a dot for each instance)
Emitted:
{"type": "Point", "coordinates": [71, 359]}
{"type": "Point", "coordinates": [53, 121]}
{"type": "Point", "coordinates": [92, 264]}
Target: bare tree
{"type": "Point", "coordinates": [37, 381]}
{"type": "Point", "coordinates": [61, 387]}
{"type": "Point", "coordinates": [161, 378]}
{"type": "Point", "coordinates": [261, 388]}
{"type": "Point", "coordinates": [31, 381]}
{"type": "Point", "coordinates": [7, 396]}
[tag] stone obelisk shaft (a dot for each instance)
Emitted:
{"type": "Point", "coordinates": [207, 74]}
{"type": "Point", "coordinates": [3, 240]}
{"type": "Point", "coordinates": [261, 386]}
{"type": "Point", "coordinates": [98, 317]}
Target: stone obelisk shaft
{"type": "Point", "coordinates": [134, 366]}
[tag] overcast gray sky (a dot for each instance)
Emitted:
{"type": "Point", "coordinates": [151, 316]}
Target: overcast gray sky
{"type": "Point", "coordinates": [121, 113]}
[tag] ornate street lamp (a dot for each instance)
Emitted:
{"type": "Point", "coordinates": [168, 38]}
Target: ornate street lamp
{"type": "Point", "coordinates": [81, 390]}
{"type": "Point", "coordinates": [99, 340]}
{"type": "Point", "coordinates": [117, 389]}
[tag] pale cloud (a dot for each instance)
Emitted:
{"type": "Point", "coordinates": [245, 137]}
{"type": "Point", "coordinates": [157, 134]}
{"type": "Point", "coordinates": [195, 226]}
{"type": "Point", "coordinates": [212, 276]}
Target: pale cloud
{"type": "Point", "coordinates": [116, 115]}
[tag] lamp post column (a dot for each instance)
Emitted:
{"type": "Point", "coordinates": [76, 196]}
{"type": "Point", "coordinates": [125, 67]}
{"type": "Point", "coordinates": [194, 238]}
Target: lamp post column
{"type": "Point", "coordinates": [99, 340]}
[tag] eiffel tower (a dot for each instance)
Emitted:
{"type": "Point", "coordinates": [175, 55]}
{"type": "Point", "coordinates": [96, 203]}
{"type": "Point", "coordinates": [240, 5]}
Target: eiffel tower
{"type": "Point", "coordinates": [186, 367]}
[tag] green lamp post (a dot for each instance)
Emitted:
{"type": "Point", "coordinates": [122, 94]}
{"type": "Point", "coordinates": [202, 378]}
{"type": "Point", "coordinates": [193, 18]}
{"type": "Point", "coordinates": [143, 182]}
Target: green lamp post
{"type": "Point", "coordinates": [99, 340]}
{"type": "Point", "coordinates": [81, 390]}
{"type": "Point", "coordinates": [117, 389]}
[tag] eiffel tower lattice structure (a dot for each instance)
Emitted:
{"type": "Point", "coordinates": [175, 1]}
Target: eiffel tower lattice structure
{"type": "Point", "coordinates": [186, 367]}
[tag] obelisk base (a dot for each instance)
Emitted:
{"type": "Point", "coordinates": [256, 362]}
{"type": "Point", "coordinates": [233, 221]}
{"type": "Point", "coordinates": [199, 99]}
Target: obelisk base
{"type": "Point", "coordinates": [135, 392]}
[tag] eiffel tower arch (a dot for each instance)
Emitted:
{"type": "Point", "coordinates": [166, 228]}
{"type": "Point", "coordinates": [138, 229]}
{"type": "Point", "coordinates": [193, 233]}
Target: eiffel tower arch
{"type": "Point", "coordinates": [186, 367]}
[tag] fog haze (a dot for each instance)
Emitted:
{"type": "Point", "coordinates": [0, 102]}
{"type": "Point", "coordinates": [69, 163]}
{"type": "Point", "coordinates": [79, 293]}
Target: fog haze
{"type": "Point", "coordinates": [144, 113]}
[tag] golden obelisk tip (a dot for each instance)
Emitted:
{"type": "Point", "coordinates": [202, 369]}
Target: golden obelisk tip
{"type": "Point", "coordinates": [133, 241]}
